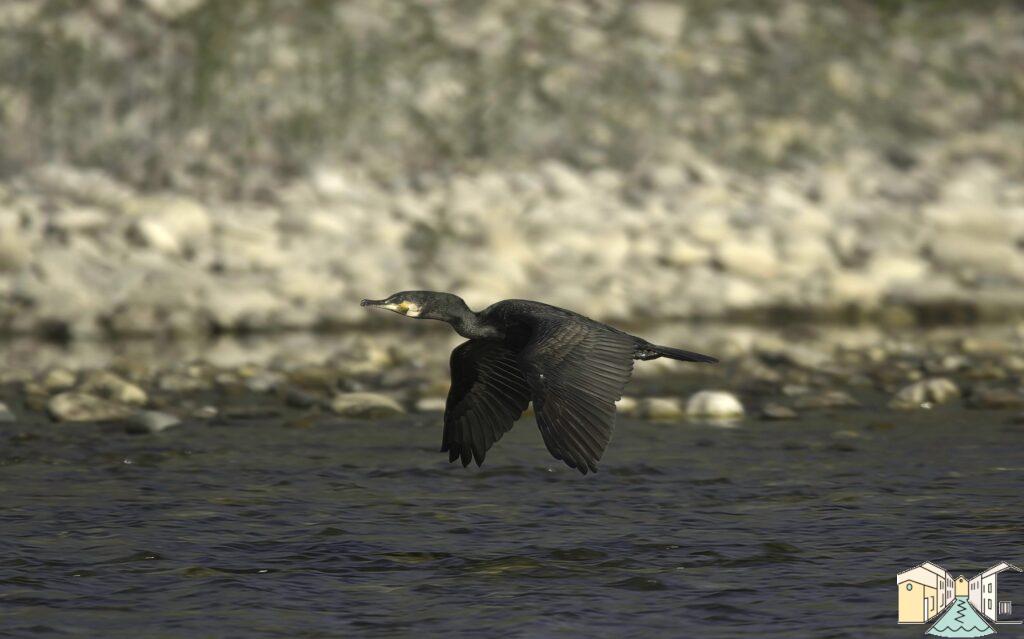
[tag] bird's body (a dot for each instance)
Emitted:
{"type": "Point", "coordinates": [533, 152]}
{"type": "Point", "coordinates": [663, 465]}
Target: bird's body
{"type": "Point", "coordinates": [571, 367]}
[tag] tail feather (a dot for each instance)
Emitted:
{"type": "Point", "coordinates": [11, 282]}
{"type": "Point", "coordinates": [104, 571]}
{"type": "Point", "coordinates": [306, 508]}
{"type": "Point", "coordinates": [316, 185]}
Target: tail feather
{"type": "Point", "coordinates": [680, 354]}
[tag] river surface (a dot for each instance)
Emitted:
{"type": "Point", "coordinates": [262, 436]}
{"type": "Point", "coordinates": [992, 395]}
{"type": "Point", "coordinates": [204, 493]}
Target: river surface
{"type": "Point", "coordinates": [251, 528]}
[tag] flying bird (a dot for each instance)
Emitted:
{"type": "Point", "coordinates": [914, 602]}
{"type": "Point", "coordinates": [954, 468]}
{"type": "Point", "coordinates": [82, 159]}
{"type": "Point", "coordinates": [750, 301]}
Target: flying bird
{"type": "Point", "coordinates": [571, 367]}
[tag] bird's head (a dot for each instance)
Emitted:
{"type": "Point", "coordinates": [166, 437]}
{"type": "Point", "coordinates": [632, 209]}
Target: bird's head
{"type": "Point", "coordinates": [421, 304]}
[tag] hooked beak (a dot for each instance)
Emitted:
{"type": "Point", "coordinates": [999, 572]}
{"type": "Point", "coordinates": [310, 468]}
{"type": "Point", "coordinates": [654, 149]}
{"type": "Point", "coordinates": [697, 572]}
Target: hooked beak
{"type": "Point", "coordinates": [402, 308]}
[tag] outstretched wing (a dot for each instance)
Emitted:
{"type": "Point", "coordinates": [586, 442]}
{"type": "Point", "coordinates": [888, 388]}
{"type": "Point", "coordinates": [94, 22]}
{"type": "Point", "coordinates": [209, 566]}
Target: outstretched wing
{"type": "Point", "coordinates": [487, 395]}
{"type": "Point", "coordinates": [576, 371]}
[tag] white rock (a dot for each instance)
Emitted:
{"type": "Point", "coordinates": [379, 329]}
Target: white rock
{"type": "Point", "coordinates": [154, 235]}
{"type": "Point", "coordinates": [110, 386]}
{"type": "Point", "coordinates": [972, 256]}
{"type": "Point", "coordinates": [755, 260]}
{"type": "Point", "coordinates": [173, 9]}
{"type": "Point", "coordinates": [58, 379]}
{"type": "Point", "coordinates": [711, 227]}
{"type": "Point", "coordinates": [431, 404]}
{"type": "Point", "coordinates": [5, 413]}
{"type": "Point", "coordinates": [82, 219]}
{"type": "Point", "coordinates": [83, 407]}
{"type": "Point", "coordinates": [15, 251]}
{"type": "Point", "coordinates": [365, 405]}
{"type": "Point", "coordinates": [169, 223]}
{"type": "Point", "coordinates": [627, 406]}
{"type": "Point", "coordinates": [662, 20]}
{"type": "Point", "coordinates": [682, 251]}
{"type": "Point", "coordinates": [923, 394]}
{"type": "Point", "coordinates": [714, 404]}
{"type": "Point", "coordinates": [661, 409]}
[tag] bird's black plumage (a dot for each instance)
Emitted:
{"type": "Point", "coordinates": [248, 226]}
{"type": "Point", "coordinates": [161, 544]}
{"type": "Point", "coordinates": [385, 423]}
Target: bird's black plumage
{"type": "Point", "coordinates": [571, 367]}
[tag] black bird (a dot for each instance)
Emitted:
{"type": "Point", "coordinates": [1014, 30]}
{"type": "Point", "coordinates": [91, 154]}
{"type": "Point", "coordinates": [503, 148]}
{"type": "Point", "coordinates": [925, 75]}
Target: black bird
{"type": "Point", "coordinates": [573, 369]}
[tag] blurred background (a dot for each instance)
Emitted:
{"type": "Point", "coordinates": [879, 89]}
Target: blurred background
{"type": "Point", "coordinates": [185, 167]}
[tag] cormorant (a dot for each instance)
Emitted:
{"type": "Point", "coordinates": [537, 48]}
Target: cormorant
{"type": "Point", "coordinates": [573, 369]}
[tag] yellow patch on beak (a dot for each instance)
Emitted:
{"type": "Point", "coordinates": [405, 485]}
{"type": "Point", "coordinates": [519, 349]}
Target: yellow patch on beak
{"type": "Point", "coordinates": [404, 308]}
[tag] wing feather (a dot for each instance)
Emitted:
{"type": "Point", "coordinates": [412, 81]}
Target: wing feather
{"type": "Point", "coordinates": [576, 370]}
{"type": "Point", "coordinates": [488, 394]}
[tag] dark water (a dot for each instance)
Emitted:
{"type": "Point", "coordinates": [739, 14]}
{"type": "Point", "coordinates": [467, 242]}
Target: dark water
{"type": "Point", "coordinates": [254, 529]}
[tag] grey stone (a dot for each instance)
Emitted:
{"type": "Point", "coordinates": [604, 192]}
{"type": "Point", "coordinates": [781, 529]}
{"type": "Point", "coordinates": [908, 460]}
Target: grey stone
{"type": "Point", "coordinates": [6, 415]}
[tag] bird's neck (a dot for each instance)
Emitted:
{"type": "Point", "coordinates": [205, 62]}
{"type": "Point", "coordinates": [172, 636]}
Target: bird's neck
{"type": "Point", "coordinates": [470, 325]}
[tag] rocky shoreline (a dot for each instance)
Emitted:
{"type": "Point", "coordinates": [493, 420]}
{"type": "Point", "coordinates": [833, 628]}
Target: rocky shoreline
{"type": "Point", "coordinates": [764, 377]}
{"type": "Point", "coordinates": [82, 255]}
{"type": "Point", "coordinates": [634, 161]}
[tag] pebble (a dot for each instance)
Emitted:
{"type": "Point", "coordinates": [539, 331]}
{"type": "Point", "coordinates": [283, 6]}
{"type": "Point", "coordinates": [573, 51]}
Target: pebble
{"type": "Point", "coordinates": [112, 386]}
{"type": "Point", "coordinates": [627, 406]}
{"type": "Point", "coordinates": [925, 393]}
{"type": "Point", "coordinates": [431, 404]}
{"type": "Point", "coordinates": [714, 404]}
{"type": "Point", "coordinates": [179, 383]}
{"type": "Point", "coordinates": [151, 421]}
{"type": "Point", "coordinates": [75, 406]}
{"type": "Point", "coordinates": [5, 413]}
{"type": "Point", "coordinates": [662, 409]}
{"type": "Point", "coordinates": [776, 412]}
{"type": "Point", "coordinates": [58, 379]}
{"type": "Point", "coordinates": [365, 405]}
{"type": "Point", "coordinates": [826, 399]}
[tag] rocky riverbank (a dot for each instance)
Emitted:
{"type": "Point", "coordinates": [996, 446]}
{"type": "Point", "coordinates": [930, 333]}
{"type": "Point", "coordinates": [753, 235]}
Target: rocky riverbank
{"type": "Point", "coordinates": [261, 166]}
{"type": "Point", "coordinates": [84, 255]}
{"type": "Point", "coordinates": [305, 380]}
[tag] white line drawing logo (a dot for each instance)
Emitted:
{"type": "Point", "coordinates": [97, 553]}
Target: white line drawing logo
{"type": "Point", "coordinates": [961, 607]}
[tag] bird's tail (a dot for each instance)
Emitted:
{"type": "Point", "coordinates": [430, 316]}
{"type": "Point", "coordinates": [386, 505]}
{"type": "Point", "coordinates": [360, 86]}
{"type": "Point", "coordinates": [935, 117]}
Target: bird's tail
{"type": "Point", "coordinates": [680, 354]}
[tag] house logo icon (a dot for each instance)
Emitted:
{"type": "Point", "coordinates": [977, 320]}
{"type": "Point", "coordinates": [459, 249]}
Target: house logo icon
{"type": "Point", "coordinates": [960, 607]}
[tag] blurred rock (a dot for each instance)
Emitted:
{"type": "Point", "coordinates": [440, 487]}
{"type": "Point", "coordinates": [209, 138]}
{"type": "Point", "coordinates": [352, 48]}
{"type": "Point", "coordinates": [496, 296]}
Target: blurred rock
{"type": "Point", "coordinates": [83, 407]}
{"type": "Point", "coordinates": [170, 223]}
{"type": "Point", "coordinates": [660, 20]}
{"type": "Point", "coordinates": [825, 399]}
{"type": "Point", "coordinates": [173, 9]}
{"type": "Point", "coordinates": [661, 409]}
{"type": "Point", "coordinates": [776, 412]}
{"type": "Point", "coordinates": [714, 404]}
{"type": "Point", "coordinates": [5, 414]}
{"type": "Point", "coordinates": [111, 386]}
{"type": "Point", "coordinates": [430, 404]}
{"type": "Point", "coordinates": [58, 379]}
{"type": "Point", "coordinates": [995, 398]}
{"type": "Point", "coordinates": [14, 251]}
{"type": "Point", "coordinates": [924, 393]}
{"type": "Point", "coordinates": [627, 406]}
{"type": "Point", "coordinates": [365, 406]}
{"type": "Point", "coordinates": [150, 421]}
